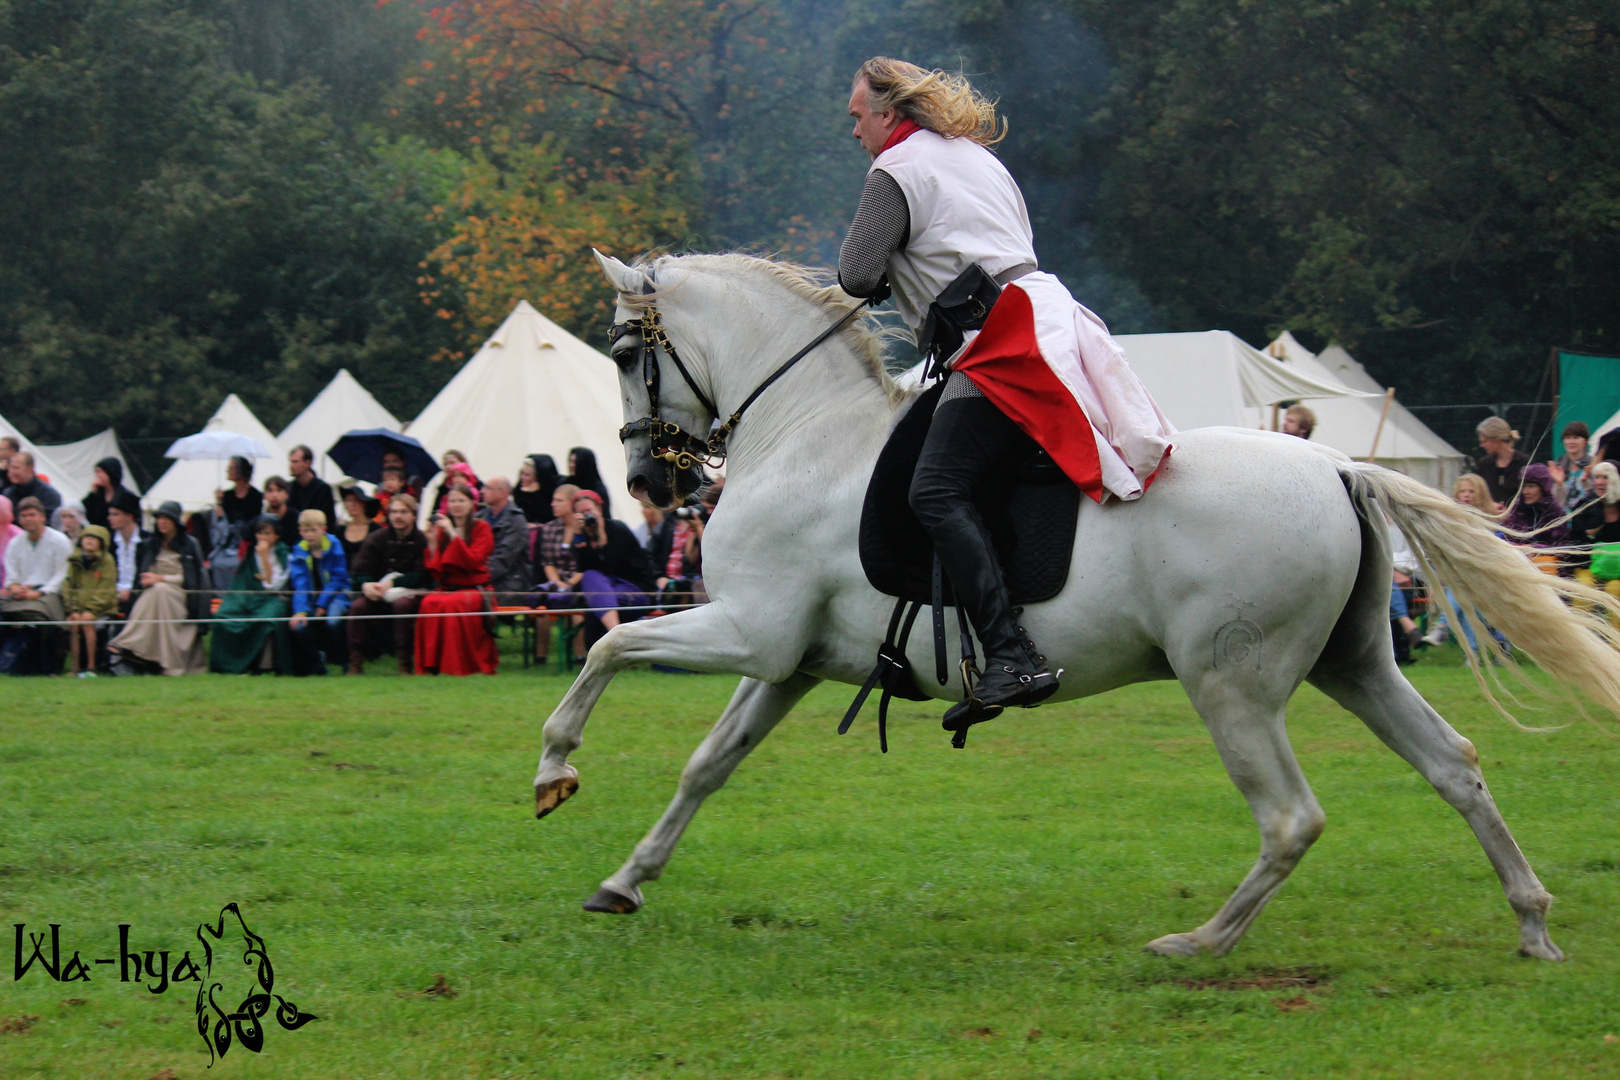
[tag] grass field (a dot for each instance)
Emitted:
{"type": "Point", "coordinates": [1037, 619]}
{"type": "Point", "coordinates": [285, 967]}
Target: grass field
{"type": "Point", "coordinates": [831, 913]}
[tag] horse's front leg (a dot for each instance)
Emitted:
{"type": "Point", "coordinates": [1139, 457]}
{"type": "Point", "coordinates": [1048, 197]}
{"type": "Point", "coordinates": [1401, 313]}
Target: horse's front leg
{"type": "Point", "coordinates": [699, 639]}
{"type": "Point", "coordinates": [755, 709]}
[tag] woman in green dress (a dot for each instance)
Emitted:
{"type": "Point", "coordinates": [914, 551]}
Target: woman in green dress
{"type": "Point", "coordinates": [257, 593]}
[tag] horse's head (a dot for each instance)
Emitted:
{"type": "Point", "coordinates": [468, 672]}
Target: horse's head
{"type": "Point", "coordinates": [665, 418]}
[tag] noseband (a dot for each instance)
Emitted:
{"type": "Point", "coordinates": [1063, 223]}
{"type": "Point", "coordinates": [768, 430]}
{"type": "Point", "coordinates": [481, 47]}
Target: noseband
{"type": "Point", "coordinates": [681, 450]}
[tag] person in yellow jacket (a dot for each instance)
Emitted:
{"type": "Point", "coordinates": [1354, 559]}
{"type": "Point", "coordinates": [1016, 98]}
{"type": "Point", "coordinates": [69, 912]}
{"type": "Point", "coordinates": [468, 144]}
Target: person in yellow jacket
{"type": "Point", "coordinates": [89, 594]}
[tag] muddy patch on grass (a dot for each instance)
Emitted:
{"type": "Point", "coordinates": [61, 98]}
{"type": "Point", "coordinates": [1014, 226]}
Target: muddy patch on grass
{"type": "Point", "coordinates": [1298, 978]}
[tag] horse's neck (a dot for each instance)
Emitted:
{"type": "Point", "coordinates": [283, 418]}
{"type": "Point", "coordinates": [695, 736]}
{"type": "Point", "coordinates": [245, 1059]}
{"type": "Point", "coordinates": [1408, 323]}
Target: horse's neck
{"type": "Point", "coordinates": [826, 417]}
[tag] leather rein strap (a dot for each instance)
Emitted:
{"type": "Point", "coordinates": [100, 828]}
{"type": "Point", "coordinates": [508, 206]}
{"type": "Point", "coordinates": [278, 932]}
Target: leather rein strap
{"type": "Point", "coordinates": [682, 449]}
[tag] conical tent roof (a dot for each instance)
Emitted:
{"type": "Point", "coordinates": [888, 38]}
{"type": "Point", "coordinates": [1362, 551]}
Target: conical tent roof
{"type": "Point", "coordinates": [192, 483]}
{"type": "Point", "coordinates": [1214, 378]}
{"type": "Point", "coordinates": [1406, 443]}
{"type": "Point", "coordinates": [45, 465]}
{"type": "Point", "coordinates": [344, 405]}
{"type": "Point", "coordinates": [533, 388]}
{"type": "Point", "coordinates": [78, 459]}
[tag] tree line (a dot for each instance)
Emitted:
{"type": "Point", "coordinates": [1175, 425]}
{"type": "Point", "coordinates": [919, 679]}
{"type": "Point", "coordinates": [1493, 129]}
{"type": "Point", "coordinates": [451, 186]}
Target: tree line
{"type": "Point", "coordinates": [205, 196]}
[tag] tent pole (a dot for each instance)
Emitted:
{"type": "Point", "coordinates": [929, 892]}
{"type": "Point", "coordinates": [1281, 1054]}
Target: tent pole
{"type": "Point", "coordinates": [1378, 432]}
{"type": "Point", "coordinates": [1273, 416]}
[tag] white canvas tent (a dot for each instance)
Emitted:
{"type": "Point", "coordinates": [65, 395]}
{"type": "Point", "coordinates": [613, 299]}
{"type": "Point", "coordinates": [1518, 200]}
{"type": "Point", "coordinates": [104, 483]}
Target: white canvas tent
{"type": "Point", "coordinates": [533, 388]}
{"type": "Point", "coordinates": [60, 478]}
{"type": "Point", "coordinates": [78, 459]}
{"type": "Point", "coordinates": [1214, 378]}
{"type": "Point", "coordinates": [1406, 444]}
{"type": "Point", "coordinates": [192, 483]}
{"type": "Point", "coordinates": [344, 405]}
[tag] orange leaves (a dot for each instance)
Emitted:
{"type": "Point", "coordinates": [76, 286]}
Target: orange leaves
{"type": "Point", "coordinates": [524, 228]}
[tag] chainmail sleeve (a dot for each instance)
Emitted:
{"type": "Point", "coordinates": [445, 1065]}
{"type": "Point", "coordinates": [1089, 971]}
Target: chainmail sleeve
{"type": "Point", "coordinates": [881, 227]}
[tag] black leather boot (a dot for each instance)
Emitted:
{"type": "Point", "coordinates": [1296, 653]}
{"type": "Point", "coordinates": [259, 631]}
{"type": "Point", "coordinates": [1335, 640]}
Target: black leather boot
{"type": "Point", "coordinates": [1015, 673]}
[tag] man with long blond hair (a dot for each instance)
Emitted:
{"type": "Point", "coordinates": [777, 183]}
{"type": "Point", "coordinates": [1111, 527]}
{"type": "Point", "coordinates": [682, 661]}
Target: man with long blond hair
{"type": "Point", "coordinates": [942, 224]}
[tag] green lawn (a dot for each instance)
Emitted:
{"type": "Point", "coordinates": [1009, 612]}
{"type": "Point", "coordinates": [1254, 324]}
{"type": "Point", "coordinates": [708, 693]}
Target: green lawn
{"type": "Point", "coordinates": [831, 913]}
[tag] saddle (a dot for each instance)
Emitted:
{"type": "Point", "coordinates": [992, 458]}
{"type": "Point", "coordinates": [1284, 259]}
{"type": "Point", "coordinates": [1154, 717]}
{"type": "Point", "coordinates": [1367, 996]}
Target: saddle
{"type": "Point", "coordinates": [1031, 509]}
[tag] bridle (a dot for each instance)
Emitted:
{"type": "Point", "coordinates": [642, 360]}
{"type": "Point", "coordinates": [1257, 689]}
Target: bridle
{"type": "Point", "coordinates": [681, 450]}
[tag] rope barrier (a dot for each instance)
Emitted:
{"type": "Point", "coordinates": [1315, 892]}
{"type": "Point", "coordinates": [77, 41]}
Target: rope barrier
{"type": "Point", "coordinates": [26, 624]}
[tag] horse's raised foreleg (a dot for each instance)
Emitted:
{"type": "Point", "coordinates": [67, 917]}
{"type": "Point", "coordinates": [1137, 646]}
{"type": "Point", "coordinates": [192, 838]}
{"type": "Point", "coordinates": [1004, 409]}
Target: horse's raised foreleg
{"type": "Point", "coordinates": [754, 710]}
{"type": "Point", "coordinates": [1248, 727]}
{"type": "Point", "coordinates": [1380, 696]}
{"type": "Point", "coordinates": [700, 639]}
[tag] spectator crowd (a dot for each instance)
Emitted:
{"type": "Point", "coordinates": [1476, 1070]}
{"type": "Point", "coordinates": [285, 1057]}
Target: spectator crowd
{"type": "Point", "coordinates": [298, 577]}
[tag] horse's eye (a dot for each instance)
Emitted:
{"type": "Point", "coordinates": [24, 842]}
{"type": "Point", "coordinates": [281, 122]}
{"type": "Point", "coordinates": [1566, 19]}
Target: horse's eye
{"type": "Point", "coordinates": [625, 355]}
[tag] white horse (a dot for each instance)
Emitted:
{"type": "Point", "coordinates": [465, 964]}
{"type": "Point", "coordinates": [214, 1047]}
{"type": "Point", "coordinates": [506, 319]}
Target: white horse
{"type": "Point", "coordinates": [1256, 561]}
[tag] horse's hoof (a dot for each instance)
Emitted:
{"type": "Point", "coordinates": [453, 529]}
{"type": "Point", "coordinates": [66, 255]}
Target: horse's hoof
{"type": "Point", "coordinates": [1174, 945]}
{"type": "Point", "coordinates": [1541, 950]}
{"type": "Point", "coordinates": [608, 901]}
{"type": "Point", "coordinates": [553, 793]}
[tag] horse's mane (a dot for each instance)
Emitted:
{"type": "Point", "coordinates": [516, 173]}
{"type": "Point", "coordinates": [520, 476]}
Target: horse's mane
{"type": "Point", "coordinates": [865, 337]}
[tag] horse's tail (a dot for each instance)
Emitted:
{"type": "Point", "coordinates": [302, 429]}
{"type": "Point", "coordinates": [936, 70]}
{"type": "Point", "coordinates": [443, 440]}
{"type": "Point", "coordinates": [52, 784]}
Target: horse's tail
{"type": "Point", "coordinates": [1561, 624]}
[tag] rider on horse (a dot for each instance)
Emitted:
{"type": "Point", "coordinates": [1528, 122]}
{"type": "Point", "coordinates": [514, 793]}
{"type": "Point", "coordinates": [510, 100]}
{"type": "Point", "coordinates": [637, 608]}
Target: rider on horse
{"type": "Point", "coordinates": [943, 225]}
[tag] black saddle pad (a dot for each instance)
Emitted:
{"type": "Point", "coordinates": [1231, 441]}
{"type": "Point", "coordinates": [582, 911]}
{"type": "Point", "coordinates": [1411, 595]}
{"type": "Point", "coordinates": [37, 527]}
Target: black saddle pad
{"type": "Point", "coordinates": [1031, 510]}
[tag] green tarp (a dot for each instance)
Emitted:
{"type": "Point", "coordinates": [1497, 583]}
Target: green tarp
{"type": "Point", "coordinates": [1588, 390]}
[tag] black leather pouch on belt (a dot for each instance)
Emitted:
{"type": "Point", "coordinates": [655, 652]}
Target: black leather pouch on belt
{"type": "Point", "coordinates": [963, 305]}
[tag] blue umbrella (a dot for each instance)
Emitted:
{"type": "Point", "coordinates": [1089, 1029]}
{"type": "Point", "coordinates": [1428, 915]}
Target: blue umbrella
{"type": "Point", "coordinates": [360, 454]}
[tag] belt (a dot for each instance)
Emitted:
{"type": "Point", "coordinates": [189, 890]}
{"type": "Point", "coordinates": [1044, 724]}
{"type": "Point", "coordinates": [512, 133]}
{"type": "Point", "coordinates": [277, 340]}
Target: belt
{"type": "Point", "coordinates": [1013, 273]}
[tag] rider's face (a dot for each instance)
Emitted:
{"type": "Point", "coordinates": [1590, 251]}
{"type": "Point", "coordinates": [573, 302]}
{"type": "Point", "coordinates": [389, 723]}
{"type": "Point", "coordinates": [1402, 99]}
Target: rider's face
{"type": "Point", "coordinates": [871, 129]}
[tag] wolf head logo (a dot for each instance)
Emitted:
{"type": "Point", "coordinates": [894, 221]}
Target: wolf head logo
{"type": "Point", "coordinates": [222, 943]}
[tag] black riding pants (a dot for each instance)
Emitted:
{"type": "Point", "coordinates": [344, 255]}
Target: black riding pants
{"type": "Point", "coordinates": [969, 441]}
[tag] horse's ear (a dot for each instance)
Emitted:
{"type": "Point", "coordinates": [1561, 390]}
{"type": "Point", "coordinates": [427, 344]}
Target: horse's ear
{"type": "Point", "coordinates": [626, 279]}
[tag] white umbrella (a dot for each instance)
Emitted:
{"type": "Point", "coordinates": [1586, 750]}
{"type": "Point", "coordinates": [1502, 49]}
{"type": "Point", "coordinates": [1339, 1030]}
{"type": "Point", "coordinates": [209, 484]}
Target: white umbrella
{"type": "Point", "coordinates": [216, 446]}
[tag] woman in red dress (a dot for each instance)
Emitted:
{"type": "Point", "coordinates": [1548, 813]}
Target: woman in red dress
{"type": "Point", "coordinates": [459, 546]}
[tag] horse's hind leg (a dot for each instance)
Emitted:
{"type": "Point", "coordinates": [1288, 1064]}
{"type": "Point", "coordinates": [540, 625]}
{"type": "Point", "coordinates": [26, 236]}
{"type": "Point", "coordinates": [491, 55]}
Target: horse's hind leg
{"type": "Point", "coordinates": [1375, 690]}
{"type": "Point", "coordinates": [1247, 723]}
{"type": "Point", "coordinates": [754, 710]}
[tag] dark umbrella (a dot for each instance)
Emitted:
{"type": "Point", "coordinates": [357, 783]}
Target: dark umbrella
{"type": "Point", "coordinates": [360, 454]}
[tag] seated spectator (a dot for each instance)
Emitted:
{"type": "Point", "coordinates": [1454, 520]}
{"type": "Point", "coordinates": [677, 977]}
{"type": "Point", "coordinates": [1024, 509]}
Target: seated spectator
{"type": "Point", "coordinates": [90, 595]}
{"type": "Point", "coordinates": [8, 532]}
{"type": "Point", "coordinates": [250, 628]}
{"type": "Point", "coordinates": [1570, 486]}
{"type": "Point", "coordinates": [393, 483]}
{"type": "Point", "coordinates": [275, 504]}
{"type": "Point", "coordinates": [36, 571]}
{"type": "Point", "coordinates": [457, 556]}
{"type": "Point", "coordinates": [1596, 528]}
{"type": "Point", "coordinates": [319, 573]}
{"type": "Point", "coordinates": [108, 482]}
{"type": "Point", "coordinates": [1299, 420]}
{"type": "Point", "coordinates": [390, 580]}
{"type": "Point", "coordinates": [614, 570]}
{"type": "Point", "coordinates": [554, 569]}
{"type": "Point", "coordinates": [509, 565]}
{"type": "Point", "coordinates": [167, 619]}
{"type": "Point", "coordinates": [674, 551]}
{"type": "Point", "coordinates": [455, 472]}
{"type": "Point", "coordinates": [394, 460]}
{"type": "Point", "coordinates": [646, 530]}
{"type": "Point", "coordinates": [1501, 464]}
{"type": "Point", "coordinates": [25, 483]}
{"type": "Point", "coordinates": [537, 482]}
{"type": "Point", "coordinates": [1537, 514]}
{"type": "Point", "coordinates": [583, 474]}
{"type": "Point", "coordinates": [1471, 490]}
{"type": "Point", "coordinates": [358, 510]}
{"type": "Point", "coordinates": [69, 519]}
{"type": "Point", "coordinates": [124, 515]}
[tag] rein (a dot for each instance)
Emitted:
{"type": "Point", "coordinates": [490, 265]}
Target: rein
{"type": "Point", "coordinates": [679, 449]}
